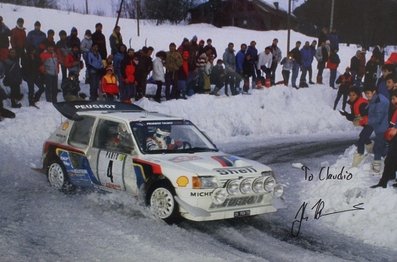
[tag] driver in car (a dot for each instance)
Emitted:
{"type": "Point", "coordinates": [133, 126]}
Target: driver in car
{"type": "Point", "coordinates": [161, 140]}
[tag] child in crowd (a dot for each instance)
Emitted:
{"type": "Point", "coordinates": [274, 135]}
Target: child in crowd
{"type": "Point", "coordinates": [109, 84]}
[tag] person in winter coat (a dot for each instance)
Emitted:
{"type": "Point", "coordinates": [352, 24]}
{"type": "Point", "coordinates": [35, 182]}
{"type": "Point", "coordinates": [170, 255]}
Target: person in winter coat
{"type": "Point", "coordinates": [240, 56]}
{"type": "Point", "coordinates": [332, 65]}
{"type": "Point", "coordinates": [193, 53]}
{"type": "Point", "coordinates": [370, 72]}
{"type": "Point", "coordinates": [229, 59]}
{"type": "Point", "coordinates": [35, 37]}
{"type": "Point", "coordinates": [183, 76]}
{"type": "Point", "coordinates": [115, 40]}
{"type": "Point", "coordinates": [356, 68]}
{"type": "Point", "coordinates": [158, 73]}
{"type": "Point", "coordinates": [209, 46]}
{"type": "Point", "coordinates": [50, 68]}
{"type": "Point", "coordinates": [288, 64]}
{"type": "Point", "coordinates": [99, 39]}
{"type": "Point", "coordinates": [31, 71]}
{"type": "Point", "coordinates": [18, 38]}
{"type": "Point", "coordinates": [265, 61]}
{"type": "Point", "coordinates": [49, 40]}
{"type": "Point", "coordinates": [218, 77]}
{"type": "Point", "coordinates": [117, 60]}
{"type": "Point", "coordinates": [307, 59]}
{"type": "Point", "coordinates": [203, 67]}
{"type": "Point", "coordinates": [296, 55]}
{"type": "Point", "coordinates": [173, 62]}
{"type": "Point", "coordinates": [390, 164]}
{"type": "Point", "coordinates": [248, 71]}
{"type": "Point", "coordinates": [345, 82]}
{"type": "Point", "coordinates": [277, 55]}
{"type": "Point", "coordinates": [310, 69]}
{"type": "Point", "coordinates": [359, 117]}
{"type": "Point", "coordinates": [143, 68]}
{"type": "Point", "coordinates": [378, 112]}
{"type": "Point", "coordinates": [85, 47]}
{"type": "Point", "coordinates": [73, 39]}
{"type": "Point", "coordinates": [62, 51]}
{"type": "Point", "coordinates": [322, 55]}
{"type": "Point", "coordinates": [387, 69]}
{"type": "Point", "coordinates": [253, 52]}
{"type": "Point", "coordinates": [95, 68]}
{"type": "Point", "coordinates": [5, 32]}
{"type": "Point", "coordinates": [128, 66]}
{"type": "Point", "coordinates": [73, 61]}
{"type": "Point", "coordinates": [71, 87]}
{"type": "Point", "coordinates": [13, 78]}
{"type": "Point", "coordinates": [109, 84]}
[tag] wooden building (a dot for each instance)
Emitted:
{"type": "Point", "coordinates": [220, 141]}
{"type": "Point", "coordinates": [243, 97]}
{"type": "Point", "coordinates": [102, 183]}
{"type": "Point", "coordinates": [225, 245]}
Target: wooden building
{"type": "Point", "coordinates": [250, 14]}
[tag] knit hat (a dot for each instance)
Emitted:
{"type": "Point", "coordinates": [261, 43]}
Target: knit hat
{"type": "Point", "coordinates": [37, 23]}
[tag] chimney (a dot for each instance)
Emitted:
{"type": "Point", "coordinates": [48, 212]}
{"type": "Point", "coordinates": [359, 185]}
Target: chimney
{"type": "Point", "coordinates": [276, 5]}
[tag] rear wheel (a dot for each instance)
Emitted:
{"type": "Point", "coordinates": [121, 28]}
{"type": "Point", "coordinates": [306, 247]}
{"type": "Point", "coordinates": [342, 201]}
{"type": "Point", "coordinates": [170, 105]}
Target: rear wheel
{"type": "Point", "coordinates": [57, 176]}
{"type": "Point", "coordinates": [162, 203]}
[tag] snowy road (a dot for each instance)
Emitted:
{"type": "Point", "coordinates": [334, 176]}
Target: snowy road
{"type": "Point", "coordinates": [38, 223]}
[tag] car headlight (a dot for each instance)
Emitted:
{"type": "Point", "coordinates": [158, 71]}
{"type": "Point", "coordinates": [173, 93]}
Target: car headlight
{"type": "Point", "coordinates": [278, 190]}
{"type": "Point", "coordinates": [269, 183]}
{"type": "Point", "coordinates": [219, 196]}
{"type": "Point", "coordinates": [202, 182]}
{"type": "Point", "coordinates": [233, 187]}
{"type": "Point", "coordinates": [246, 186]}
{"type": "Point", "coordinates": [258, 185]}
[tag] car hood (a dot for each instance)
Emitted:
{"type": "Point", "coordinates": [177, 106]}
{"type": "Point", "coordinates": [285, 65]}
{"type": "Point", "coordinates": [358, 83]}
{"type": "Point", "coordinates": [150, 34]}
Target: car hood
{"type": "Point", "coordinates": [210, 163]}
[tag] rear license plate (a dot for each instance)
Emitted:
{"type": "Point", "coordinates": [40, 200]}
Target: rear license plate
{"type": "Point", "coordinates": [242, 213]}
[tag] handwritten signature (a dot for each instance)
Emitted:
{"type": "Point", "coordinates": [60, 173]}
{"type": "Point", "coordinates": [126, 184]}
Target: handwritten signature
{"type": "Point", "coordinates": [318, 207]}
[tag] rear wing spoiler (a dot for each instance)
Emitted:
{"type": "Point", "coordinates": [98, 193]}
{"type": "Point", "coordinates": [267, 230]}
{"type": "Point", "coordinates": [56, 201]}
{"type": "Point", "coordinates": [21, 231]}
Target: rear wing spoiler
{"type": "Point", "coordinates": [70, 109]}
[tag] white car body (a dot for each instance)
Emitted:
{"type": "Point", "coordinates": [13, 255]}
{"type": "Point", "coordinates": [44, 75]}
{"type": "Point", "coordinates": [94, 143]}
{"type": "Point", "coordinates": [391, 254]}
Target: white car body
{"type": "Point", "coordinates": [206, 183]}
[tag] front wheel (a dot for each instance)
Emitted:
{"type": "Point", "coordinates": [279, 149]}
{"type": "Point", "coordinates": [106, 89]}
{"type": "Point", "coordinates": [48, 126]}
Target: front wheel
{"type": "Point", "coordinates": [57, 176]}
{"type": "Point", "coordinates": [162, 203]}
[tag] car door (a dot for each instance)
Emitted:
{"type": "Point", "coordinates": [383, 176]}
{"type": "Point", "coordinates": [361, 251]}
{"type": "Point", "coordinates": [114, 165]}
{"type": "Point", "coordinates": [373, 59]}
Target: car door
{"type": "Point", "coordinates": [113, 148]}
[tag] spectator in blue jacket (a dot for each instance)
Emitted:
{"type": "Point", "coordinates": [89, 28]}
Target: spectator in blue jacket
{"type": "Point", "coordinates": [387, 69]}
{"type": "Point", "coordinates": [253, 54]}
{"type": "Point", "coordinates": [240, 57]}
{"type": "Point", "coordinates": [378, 116]}
{"type": "Point", "coordinates": [35, 37]}
{"type": "Point", "coordinates": [307, 56]}
{"type": "Point", "coordinates": [95, 68]}
{"type": "Point", "coordinates": [334, 39]}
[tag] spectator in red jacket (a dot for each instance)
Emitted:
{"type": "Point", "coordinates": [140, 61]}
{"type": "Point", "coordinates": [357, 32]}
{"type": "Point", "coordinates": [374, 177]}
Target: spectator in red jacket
{"type": "Point", "coordinates": [5, 32]}
{"type": "Point", "coordinates": [18, 38]}
{"type": "Point", "coordinates": [128, 66]}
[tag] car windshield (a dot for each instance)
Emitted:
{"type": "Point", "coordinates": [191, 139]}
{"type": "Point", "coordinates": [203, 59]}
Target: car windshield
{"type": "Point", "coordinates": [177, 136]}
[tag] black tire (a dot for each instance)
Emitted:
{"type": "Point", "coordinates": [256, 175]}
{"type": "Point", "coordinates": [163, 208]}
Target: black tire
{"type": "Point", "coordinates": [57, 176]}
{"type": "Point", "coordinates": [161, 200]}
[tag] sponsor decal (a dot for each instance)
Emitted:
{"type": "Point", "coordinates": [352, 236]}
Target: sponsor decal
{"type": "Point", "coordinates": [65, 125]}
{"type": "Point", "coordinates": [78, 173]}
{"type": "Point", "coordinates": [115, 156]}
{"type": "Point", "coordinates": [159, 123]}
{"type": "Point", "coordinates": [240, 201]}
{"type": "Point", "coordinates": [180, 159]}
{"type": "Point", "coordinates": [225, 161]}
{"type": "Point", "coordinates": [113, 186]}
{"type": "Point", "coordinates": [236, 171]}
{"type": "Point", "coordinates": [200, 194]}
{"type": "Point", "coordinates": [104, 106]}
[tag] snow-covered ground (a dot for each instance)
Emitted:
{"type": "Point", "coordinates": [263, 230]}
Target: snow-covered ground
{"type": "Point", "coordinates": [279, 113]}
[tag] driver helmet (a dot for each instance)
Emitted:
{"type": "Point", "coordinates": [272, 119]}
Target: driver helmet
{"type": "Point", "coordinates": [163, 132]}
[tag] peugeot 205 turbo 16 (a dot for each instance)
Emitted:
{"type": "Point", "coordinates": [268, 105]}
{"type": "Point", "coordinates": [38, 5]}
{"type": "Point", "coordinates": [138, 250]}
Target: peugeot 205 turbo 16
{"type": "Point", "coordinates": [168, 160]}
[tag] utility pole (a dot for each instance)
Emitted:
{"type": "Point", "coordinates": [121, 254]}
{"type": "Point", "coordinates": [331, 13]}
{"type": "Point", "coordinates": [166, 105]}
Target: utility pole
{"type": "Point", "coordinates": [138, 13]}
{"type": "Point", "coordinates": [289, 26]}
{"type": "Point", "coordinates": [331, 23]}
{"type": "Point", "coordinates": [119, 12]}
{"type": "Point", "coordinates": [86, 7]}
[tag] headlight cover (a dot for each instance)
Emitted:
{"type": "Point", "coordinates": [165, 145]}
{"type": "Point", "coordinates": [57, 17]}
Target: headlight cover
{"type": "Point", "coordinates": [246, 186]}
{"type": "Point", "coordinates": [219, 196]}
{"type": "Point", "coordinates": [204, 182]}
{"type": "Point", "coordinates": [233, 187]}
{"type": "Point", "coordinates": [269, 183]}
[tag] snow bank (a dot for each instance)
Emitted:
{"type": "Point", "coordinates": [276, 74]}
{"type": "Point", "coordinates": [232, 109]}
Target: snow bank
{"type": "Point", "coordinates": [379, 205]}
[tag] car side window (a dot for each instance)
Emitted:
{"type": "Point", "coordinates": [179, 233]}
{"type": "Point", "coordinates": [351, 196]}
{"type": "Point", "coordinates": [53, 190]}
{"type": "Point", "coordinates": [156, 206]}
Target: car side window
{"type": "Point", "coordinates": [81, 132]}
{"type": "Point", "coordinates": [113, 136]}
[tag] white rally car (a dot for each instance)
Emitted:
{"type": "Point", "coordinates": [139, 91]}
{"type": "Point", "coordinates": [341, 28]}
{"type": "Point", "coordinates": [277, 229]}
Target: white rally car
{"type": "Point", "coordinates": [168, 160]}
